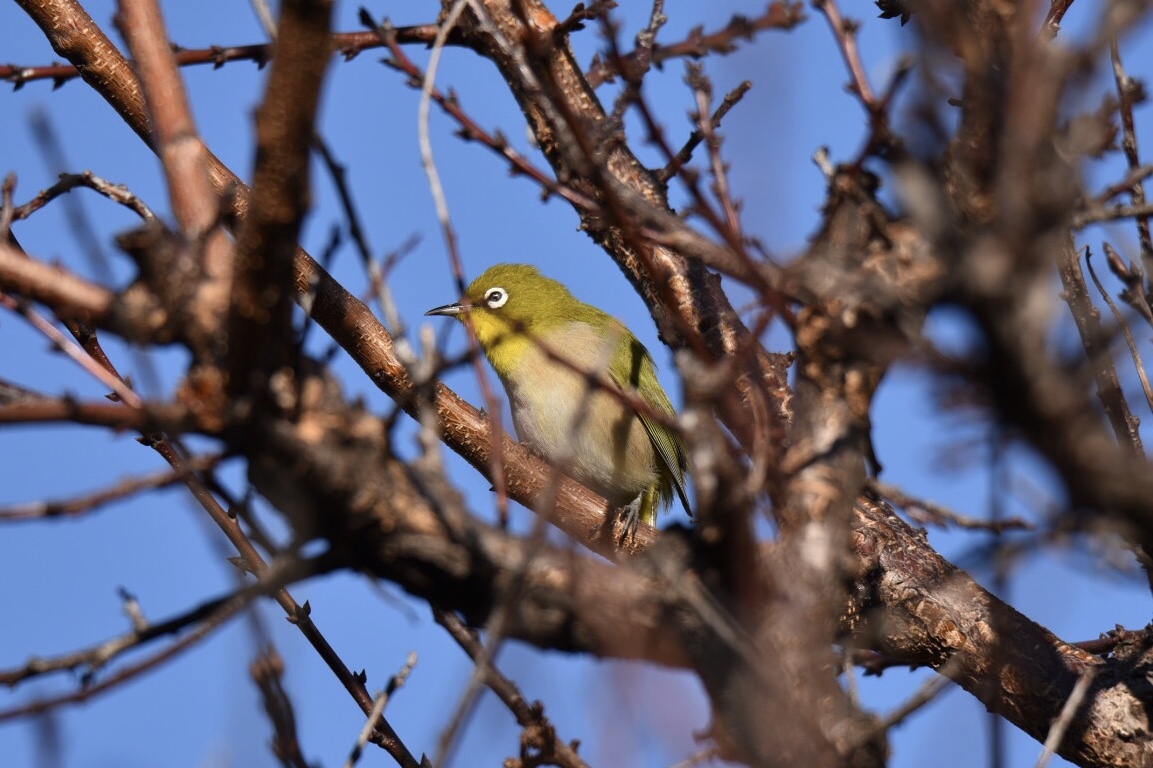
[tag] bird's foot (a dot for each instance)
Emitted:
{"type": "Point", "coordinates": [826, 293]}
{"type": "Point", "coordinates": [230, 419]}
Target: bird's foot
{"type": "Point", "coordinates": [631, 516]}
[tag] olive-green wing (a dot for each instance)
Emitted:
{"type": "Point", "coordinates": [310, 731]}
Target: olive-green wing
{"type": "Point", "coordinates": [671, 452]}
{"type": "Point", "coordinates": [635, 370]}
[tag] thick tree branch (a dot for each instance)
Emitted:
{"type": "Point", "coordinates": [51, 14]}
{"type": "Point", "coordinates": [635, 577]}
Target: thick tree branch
{"type": "Point", "coordinates": [913, 605]}
{"type": "Point", "coordinates": [202, 265]}
{"type": "Point", "coordinates": [260, 324]}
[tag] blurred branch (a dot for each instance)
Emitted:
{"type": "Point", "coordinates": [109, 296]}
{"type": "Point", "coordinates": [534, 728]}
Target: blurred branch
{"type": "Point", "coordinates": [203, 257]}
{"type": "Point", "coordinates": [924, 511]}
{"type": "Point", "coordinates": [54, 286]}
{"type": "Point", "coordinates": [395, 683]}
{"type": "Point", "coordinates": [1134, 352]}
{"type": "Point", "coordinates": [1129, 93]}
{"type": "Point", "coordinates": [178, 145]}
{"type": "Point", "coordinates": [260, 306]}
{"type": "Point", "coordinates": [1123, 186]}
{"type": "Point", "coordinates": [267, 671]}
{"type": "Point", "coordinates": [75, 36]}
{"type": "Point", "coordinates": [539, 742]}
{"type": "Point", "coordinates": [1052, 24]}
{"type": "Point", "coordinates": [169, 417]}
{"type": "Point", "coordinates": [207, 617]}
{"type": "Point", "coordinates": [1116, 212]}
{"type": "Point", "coordinates": [845, 32]}
{"type": "Point", "coordinates": [926, 694]}
{"type": "Point", "coordinates": [36, 510]}
{"type": "Point", "coordinates": [730, 208]}
{"type": "Point", "coordinates": [11, 393]}
{"type": "Point", "coordinates": [1094, 339]}
{"type": "Point", "coordinates": [69, 348]}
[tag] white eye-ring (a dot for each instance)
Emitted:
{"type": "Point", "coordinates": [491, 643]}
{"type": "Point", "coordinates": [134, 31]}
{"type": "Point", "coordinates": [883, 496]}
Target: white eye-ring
{"type": "Point", "coordinates": [495, 297]}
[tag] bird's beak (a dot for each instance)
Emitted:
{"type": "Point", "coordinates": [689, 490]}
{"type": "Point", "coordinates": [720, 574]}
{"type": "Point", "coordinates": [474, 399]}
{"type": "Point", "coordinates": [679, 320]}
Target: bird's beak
{"type": "Point", "coordinates": [448, 309]}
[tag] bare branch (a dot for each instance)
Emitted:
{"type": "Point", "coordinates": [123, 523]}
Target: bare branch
{"type": "Point", "coordinates": [348, 44]}
{"type": "Point", "coordinates": [778, 15]}
{"type": "Point", "coordinates": [266, 671]}
{"type": "Point", "coordinates": [259, 337]}
{"type": "Point", "coordinates": [128, 487]}
{"type": "Point", "coordinates": [540, 741]}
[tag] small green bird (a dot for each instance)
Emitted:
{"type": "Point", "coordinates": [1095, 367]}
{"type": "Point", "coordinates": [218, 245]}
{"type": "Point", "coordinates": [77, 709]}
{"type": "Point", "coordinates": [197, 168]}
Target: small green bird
{"type": "Point", "coordinates": [548, 347]}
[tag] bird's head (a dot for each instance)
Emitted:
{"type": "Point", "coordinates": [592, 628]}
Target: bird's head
{"type": "Point", "coordinates": [511, 303]}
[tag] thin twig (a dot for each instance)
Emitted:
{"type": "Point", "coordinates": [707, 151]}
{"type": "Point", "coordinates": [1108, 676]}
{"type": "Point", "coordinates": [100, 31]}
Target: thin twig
{"type": "Point", "coordinates": [1052, 24]}
{"type": "Point", "coordinates": [38, 510]}
{"type": "Point", "coordinates": [1094, 340]}
{"type": "Point", "coordinates": [924, 511]}
{"type": "Point", "coordinates": [633, 70]}
{"type": "Point", "coordinates": [470, 130]}
{"type": "Point", "coordinates": [208, 616]}
{"type": "Point", "coordinates": [267, 671]}
{"type": "Point", "coordinates": [701, 205]}
{"type": "Point", "coordinates": [72, 350]}
{"type": "Point", "coordinates": [845, 31]}
{"type": "Point", "coordinates": [395, 682]}
{"type": "Point", "coordinates": [930, 690]}
{"type": "Point", "coordinates": [1123, 186]}
{"type": "Point", "coordinates": [87, 241]}
{"type": "Point", "coordinates": [582, 13]}
{"type": "Point", "coordinates": [778, 15]}
{"type": "Point", "coordinates": [1065, 719]}
{"type": "Point", "coordinates": [703, 90]}
{"type": "Point", "coordinates": [1124, 326]}
{"type": "Point", "coordinates": [428, 161]}
{"type": "Point", "coordinates": [347, 44]}
{"type": "Point", "coordinates": [673, 166]}
{"type": "Point", "coordinates": [1128, 92]}
{"type": "Point", "coordinates": [7, 207]}
{"type": "Point", "coordinates": [881, 137]}
{"type": "Point", "coordinates": [1111, 213]}
{"type": "Point", "coordinates": [41, 705]}
{"type": "Point", "coordinates": [527, 715]}
{"type": "Point", "coordinates": [117, 193]}
{"type": "Point", "coordinates": [1133, 278]}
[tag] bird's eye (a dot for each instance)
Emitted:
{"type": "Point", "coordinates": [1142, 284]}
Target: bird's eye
{"type": "Point", "coordinates": [495, 297]}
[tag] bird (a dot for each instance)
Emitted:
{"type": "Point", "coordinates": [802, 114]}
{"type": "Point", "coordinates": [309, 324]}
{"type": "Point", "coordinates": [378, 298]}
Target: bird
{"type": "Point", "coordinates": [559, 360]}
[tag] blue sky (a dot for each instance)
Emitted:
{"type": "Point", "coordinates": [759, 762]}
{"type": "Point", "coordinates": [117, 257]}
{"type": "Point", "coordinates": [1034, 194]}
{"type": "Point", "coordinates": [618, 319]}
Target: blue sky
{"type": "Point", "coordinates": [61, 577]}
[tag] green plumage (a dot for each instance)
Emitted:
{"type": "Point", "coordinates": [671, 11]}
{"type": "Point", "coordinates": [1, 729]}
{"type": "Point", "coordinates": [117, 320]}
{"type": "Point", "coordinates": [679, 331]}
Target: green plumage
{"type": "Point", "coordinates": [545, 345]}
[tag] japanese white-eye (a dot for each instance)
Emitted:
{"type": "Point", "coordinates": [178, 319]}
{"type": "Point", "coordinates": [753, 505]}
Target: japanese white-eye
{"type": "Point", "coordinates": [550, 350]}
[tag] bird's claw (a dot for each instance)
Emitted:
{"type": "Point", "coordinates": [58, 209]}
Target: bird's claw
{"type": "Point", "coordinates": [631, 516]}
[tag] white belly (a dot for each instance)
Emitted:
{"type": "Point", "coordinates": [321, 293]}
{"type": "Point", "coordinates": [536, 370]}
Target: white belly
{"type": "Point", "coordinates": [586, 432]}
